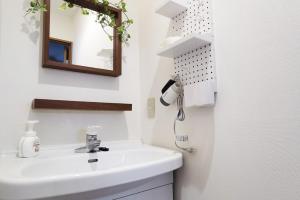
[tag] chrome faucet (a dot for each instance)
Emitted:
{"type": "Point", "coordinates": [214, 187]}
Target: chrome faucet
{"type": "Point", "coordinates": [92, 142]}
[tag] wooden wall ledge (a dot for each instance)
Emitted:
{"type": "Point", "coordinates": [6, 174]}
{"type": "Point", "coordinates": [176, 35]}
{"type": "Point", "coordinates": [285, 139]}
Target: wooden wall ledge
{"type": "Point", "coordinates": [79, 105]}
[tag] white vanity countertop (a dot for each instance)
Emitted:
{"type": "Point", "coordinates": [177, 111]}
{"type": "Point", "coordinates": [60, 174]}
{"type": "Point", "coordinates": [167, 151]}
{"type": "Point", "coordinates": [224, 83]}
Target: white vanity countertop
{"type": "Point", "coordinates": [59, 171]}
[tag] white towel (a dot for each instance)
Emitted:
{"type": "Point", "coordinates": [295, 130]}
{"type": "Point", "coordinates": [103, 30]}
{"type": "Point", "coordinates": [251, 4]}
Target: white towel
{"type": "Point", "coordinates": [200, 94]}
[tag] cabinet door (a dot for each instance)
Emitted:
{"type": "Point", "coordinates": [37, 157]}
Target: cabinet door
{"type": "Point", "coordinates": [160, 193]}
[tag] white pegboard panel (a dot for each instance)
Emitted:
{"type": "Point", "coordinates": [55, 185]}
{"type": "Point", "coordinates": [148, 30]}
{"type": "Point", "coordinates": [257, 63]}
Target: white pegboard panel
{"type": "Point", "coordinates": [197, 19]}
{"type": "Point", "coordinates": [197, 65]}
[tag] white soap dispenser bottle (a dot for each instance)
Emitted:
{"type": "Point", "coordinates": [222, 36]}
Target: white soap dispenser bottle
{"type": "Point", "coordinates": [29, 144]}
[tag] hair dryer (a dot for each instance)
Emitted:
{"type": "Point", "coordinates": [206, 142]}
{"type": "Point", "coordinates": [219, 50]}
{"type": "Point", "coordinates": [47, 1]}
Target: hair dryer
{"type": "Point", "coordinates": [170, 93]}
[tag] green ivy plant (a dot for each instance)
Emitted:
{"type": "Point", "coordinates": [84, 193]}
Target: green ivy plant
{"type": "Point", "coordinates": [106, 19]}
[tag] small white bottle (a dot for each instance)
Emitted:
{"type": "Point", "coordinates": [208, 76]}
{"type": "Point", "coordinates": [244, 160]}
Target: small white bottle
{"type": "Point", "coordinates": [29, 144]}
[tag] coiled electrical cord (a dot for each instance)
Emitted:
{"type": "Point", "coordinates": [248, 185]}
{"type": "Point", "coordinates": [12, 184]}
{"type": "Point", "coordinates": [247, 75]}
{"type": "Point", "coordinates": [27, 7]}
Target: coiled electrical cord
{"type": "Point", "coordinates": [180, 117]}
{"type": "Point", "coordinates": [180, 114]}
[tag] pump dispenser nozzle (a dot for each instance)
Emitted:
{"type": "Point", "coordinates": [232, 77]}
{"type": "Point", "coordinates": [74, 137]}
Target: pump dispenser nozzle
{"type": "Point", "coordinates": [30, 126]}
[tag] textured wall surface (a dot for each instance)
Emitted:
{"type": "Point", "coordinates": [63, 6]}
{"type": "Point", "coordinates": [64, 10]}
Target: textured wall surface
{"type": "Point", "coordinates": [248, 145]}
{"type": "Point", "coordinates": [257, 117]}
{"type": "Point", "coordinates": [199, 123]}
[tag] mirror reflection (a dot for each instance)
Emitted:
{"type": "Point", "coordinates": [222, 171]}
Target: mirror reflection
{"type": "Point", "coordinates": [78, 39]}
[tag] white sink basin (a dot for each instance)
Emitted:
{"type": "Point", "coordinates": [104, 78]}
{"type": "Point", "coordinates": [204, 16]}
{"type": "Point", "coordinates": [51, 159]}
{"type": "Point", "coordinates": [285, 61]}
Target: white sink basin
{"type": "Point", "coordinates": [60, 171]}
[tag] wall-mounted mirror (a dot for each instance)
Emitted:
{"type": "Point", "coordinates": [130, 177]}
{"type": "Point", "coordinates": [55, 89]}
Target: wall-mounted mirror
{"type": "Point", "coordinates": [76, 42]}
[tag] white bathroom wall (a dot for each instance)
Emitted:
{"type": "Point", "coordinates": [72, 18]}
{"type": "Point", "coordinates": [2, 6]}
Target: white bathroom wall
{"type": "Point", "coordinates": [199, 123]}
{"type": "Point", "coordinates": [0, 31]}
{"type": "Point", "coordinates": [257, 152]}
{"type": "Point", "coordinates": [0, 34]}
{"type": "Point", "coordinates": [248, 145]}
{"type": "Point", "coordinates": [23, 79]}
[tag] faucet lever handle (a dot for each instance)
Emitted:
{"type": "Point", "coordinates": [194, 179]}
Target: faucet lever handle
{"type": "Point", "coordinates": [97, 143]}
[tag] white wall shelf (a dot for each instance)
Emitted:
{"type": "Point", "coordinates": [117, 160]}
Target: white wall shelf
{"type": "Point", "coordinates": [171, 8]}
{"type": "Point", "coordinates": [186, 44]}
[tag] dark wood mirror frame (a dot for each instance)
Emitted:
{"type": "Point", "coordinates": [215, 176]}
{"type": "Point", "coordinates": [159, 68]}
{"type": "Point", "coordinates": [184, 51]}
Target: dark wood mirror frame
{"type": "Point", "coordinates": [117, 44]}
